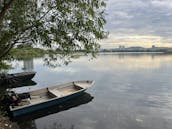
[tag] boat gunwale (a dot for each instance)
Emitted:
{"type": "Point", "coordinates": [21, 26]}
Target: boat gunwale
{"type": "Point", "coordinates": [21, 74]}
{"type": "Point", "coordinates": [55, 98]}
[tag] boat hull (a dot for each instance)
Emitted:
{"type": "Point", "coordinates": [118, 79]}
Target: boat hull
{"type": "Point", "coordinates": [30, 109]}
{"type": "Point", "coordinates": [16, 78]}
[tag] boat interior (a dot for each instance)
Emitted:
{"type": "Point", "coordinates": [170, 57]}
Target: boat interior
{"type": "Point", "coordinates": [46, 94]}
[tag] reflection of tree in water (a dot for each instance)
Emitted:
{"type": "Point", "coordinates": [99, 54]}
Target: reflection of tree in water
{"type": "Point", "coordinates": [58, 126]}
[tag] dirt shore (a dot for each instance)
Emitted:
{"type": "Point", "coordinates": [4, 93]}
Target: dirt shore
{"type": "Point", "coordinates": [5, 123]}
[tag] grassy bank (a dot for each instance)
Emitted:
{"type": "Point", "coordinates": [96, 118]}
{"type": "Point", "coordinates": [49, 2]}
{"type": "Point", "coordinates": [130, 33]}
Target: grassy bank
{"type": "Point", "coordinates": [30, 52]}
{"type": "Point", "coordinates": [27, 53]}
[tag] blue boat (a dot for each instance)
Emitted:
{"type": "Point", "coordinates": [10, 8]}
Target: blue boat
{"type": "Point", "coordinates": [46, 97]}
{"type": "Point", "coordinates": [84, 98]}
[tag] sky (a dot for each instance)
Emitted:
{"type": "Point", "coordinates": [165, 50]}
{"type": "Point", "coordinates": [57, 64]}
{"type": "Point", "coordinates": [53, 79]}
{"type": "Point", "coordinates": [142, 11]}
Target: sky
{"type": "Point", "coordinates": [138, 23]}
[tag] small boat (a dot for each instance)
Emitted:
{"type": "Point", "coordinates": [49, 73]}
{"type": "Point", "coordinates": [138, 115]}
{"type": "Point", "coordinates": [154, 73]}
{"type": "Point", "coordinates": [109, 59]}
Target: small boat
{"type": "Point", "coordinates": [6, 79]}
{"type": "Point", "coordinates": [84, 98]}
{"type": "Point", "coordinates": [46, 97]}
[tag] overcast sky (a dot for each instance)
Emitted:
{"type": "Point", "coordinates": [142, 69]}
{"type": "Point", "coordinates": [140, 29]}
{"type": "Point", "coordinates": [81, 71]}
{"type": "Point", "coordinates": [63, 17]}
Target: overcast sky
{"type": "Point", "coordinates": [139, 23]}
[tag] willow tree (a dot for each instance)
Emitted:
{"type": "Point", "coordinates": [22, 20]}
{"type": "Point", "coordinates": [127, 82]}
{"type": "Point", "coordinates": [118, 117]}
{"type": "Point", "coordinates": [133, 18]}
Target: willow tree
{"type": "Point", "coordinates": [64, 25]}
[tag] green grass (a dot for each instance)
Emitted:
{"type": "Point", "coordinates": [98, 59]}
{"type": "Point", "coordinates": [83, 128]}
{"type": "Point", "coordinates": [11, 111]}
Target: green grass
{"type": "Point", "coordinates": [27, 53]}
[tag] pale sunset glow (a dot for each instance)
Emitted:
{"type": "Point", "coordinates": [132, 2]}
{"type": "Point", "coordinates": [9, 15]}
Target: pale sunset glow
{"type": "Point", "coordinates": [133, 40]}
{"type": "Point", "coordinates": [138, 23]}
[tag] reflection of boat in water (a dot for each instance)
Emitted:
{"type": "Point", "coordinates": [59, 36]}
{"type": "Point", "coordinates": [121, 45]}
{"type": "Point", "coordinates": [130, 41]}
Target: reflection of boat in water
{"type": "Point", "coordinates": [46, 97]}
{"type": "Point", "coordinates": [20, 84]}
{"type": "Point", "coordinates": [6, 79]}
{"type": "Point", "coordinates": [80, 100]}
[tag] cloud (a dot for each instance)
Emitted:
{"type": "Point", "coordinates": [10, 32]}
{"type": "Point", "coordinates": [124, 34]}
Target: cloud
{"type": "Point", "coordinates": [114, 40]}
{"type": "Point", "coordinates": [140, 18]}
{"type": "Point", "coordinates": [121, 15]}
{"type": "Point", "coordinates": [162, 3]}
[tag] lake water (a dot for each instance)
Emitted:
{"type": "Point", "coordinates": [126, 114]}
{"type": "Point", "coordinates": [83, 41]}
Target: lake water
{"type": "Point", "coordinates": [131, 91]}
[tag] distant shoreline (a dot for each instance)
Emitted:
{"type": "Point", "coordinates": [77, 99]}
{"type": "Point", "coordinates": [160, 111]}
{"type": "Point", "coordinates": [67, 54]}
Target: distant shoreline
{"type": "Point", "coordinates": [133, 52]}
{"type": "Point", "coordinates": [137, 49]}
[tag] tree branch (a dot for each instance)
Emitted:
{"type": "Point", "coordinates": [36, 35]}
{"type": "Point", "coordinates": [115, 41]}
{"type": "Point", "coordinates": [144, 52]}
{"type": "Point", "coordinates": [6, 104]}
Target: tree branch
{"type": "Point", "coordinates": [9, 47]}
{"type": "Point", "coordinates": [4, 10]}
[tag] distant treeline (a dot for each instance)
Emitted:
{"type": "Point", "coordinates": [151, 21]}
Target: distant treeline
{"type": "Point", "coordinates": [27, 53]}
{"type": "Point", "coordinates": [137, 50]}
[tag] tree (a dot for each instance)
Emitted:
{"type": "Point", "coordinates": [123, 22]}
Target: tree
{"type": "Point", "coordinates": [65, 25]}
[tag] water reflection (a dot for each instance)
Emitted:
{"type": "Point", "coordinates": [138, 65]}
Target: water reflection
{"type": "Point", "coordinates": [132, 61]}
{"type": "Point", "coordinates": [20, 84]}
{"type": "Point", "coordinates": [131, 92]}
{"type": "Point", "coordinates": [28, 65]}
{"type": "Point", "coordinates": [73, 103]}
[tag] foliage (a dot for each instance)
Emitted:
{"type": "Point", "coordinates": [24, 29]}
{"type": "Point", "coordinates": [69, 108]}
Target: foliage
{"type": "Point", "coordinates": [27, 53]}
{"type": "Point", "coordinates": [67, 25]}
{"type": "Point", "coordinates": [4, 65]}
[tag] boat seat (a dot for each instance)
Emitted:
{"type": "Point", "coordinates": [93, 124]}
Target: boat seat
{"type": "Point", "coordinates": [25, 102]}
{"type": "Point", "coordinates": [55, 93]}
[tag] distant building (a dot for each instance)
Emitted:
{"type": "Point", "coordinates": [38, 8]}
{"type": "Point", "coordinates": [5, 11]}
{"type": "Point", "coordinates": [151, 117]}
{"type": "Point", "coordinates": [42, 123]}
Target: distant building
{"type": "Point", "coordinates": [153, 46]}
{"type": "Point", "coordinates": [121, 47]}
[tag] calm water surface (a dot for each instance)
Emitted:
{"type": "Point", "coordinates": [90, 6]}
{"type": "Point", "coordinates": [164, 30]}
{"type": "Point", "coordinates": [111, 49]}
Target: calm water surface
{"type": "Point", "coordinates": [130, 92]}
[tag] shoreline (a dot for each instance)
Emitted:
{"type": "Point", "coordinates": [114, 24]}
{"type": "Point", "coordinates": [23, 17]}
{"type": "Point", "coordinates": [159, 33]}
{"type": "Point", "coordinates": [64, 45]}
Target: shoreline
{"type": "Point", "coordinates": [132, 53]}
{"type": "Point", "coordinates": [5, 123]}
